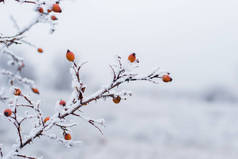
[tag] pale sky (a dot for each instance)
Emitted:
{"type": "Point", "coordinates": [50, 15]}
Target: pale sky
{"type": "Point", "coordinates": [196, 40]}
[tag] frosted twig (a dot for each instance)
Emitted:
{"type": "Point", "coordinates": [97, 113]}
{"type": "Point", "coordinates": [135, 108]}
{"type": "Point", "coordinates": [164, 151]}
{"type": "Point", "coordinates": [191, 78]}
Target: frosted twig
{"type": "Point", "coordinates": [24, 156]}
{"type": "Point", "coordinates": [15, 23]}
{"type": "Point", "coordinates": [90, 121]}
{"type": "Point", "coordinates": [17, 78]}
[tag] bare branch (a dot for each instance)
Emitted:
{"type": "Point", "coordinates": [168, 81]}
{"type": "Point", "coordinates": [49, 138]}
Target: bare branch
{"type": "Point", "coordinates": [24, 156]}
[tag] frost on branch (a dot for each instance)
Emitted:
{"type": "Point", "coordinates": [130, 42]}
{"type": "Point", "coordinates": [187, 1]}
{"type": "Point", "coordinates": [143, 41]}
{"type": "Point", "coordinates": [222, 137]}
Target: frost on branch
{"type": "Point", "coordinates": [20, 107]}
{"type": "Point", "coordinates": [122, 73]}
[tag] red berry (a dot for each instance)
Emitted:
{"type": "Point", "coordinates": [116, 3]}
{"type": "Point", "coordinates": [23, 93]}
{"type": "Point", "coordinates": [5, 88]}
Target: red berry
{"type": "Point", "coordinates": [7, 112]}
{"type": "Point", "coordinates": [62, 102]}
{"type": "Point", "coordinates": [70, 56]}
{"type": "Point", "coordinates": [17, 92]}
{"type": "Point", "coordinates": [40, 50]}
{"type": "Point", "coordinates": [166, 78]}
{"type": "Point", "coordinates": [53, 17]}
{"type": "Point", "coordinates": [35, 90]}
{"type": "Point", "coordinates": [116, 99]}
{"type": "Point", "coordinates": [67, 136]}
{"type": "Point", "coordinates": [41, 10]}
{"type": "Point", "coordinates": [56, 8]}
{"type": "Point", "coordinates": [46, 119]}
{"type": "Point", "coordinates": [132, 57]}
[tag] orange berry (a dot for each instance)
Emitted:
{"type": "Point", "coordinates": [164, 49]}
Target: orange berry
{"type": "Point", "coordinates": [67, 136]}
{"type": "Point", "coordinates": [49, 10]}
{"type": "Point", "coordinates": [132, 57]}
{"type": "Point", "coordinates": [7, 112]}
{"type": "Point", "coordinates": [166, 78]}
{"type": "Point", "coordinates": [62, 102]}
{"type": "Point", "coordinates": [53, 17]}
{"type": "Point", "coordinates": [46, 119]}
{"type": "Point", "coordinates": [40, 50]}
{"type": "Point", "coordinates": [56, 8]}
{"type": "Point", "coordinates": [116, 99]}
{"type": "Point", "coordinates": [35, 90]}
{"type": "Point", "coordinates": [41, 10]}
{"type": "Point", "coordinates": [70, 56]}
{"type": "Point", "coordinates": [17, 92]}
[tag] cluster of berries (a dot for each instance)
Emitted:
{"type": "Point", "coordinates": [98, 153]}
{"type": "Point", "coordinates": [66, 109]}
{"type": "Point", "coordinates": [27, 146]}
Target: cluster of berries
{"type": "Point", "coordinates": [8, 112]}
{"type": "Point", "coordinates": [70, 56]}
{"type": "Point", "coordinates": [54, 8]}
